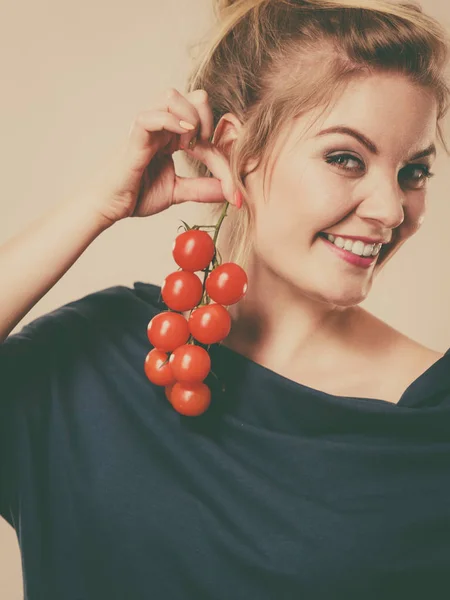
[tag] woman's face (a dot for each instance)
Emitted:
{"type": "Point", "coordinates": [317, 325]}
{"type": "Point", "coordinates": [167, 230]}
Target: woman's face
{"type": "Point", "coordinates": [333, 183]}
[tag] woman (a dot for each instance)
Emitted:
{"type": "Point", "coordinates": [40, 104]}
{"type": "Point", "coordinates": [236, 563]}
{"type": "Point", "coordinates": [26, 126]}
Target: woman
{"type": "Point", "coordinates": [323, 471]}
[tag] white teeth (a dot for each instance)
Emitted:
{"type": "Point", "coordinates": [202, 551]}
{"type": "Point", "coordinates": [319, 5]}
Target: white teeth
{"type": "Point", "coordinates": [357, 247]}
{"type": "Point", "coordinates": [348, 245]}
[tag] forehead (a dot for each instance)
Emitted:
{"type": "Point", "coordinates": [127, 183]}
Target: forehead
{"type": "Point", "coordinates": [388, 108]}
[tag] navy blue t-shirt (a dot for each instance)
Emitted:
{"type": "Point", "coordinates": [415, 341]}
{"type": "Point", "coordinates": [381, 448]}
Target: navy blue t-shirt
{"type": "Point", "coordinates": [278, 491]}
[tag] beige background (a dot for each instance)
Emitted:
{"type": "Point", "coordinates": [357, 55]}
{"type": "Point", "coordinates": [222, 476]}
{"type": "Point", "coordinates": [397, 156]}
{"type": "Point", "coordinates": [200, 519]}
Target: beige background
{"type": "Point", "coordinates": [74, 77]}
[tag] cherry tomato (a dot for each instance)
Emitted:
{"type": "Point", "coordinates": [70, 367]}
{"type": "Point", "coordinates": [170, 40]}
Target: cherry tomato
{"type": "Point", "coordinates": [226, 284]}
{"type": "Point", "coordinates": [193, 250]}
{"type": "Point", "coordinates": [168, 330]}
{"type": "Point", "coordinates": [168, 390]}
{"type": "Point", "coordinates": [182, 290]}
{"type": "Point", "coordinates": [159, 375]}
{"type": "Point", "coordinates": [191, 399]}
{"type": "Point", "coordinates": [210, 323]}
{"type": "Point", "coordinates": [190, 363]}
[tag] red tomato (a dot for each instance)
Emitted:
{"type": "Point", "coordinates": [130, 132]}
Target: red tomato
{"type": "Point", "coordinates": [190, 363]}
{"type": "Point", "coordinates": [226, 284]}
{"type": "Point", "coordinates": [168, 330]}
{"type": "Point", "coordinates": [193, 250]}
{"type": "Point", "coordinates": [182, 290]}
{"type": "Point", "coordinates": [168, 390]}
{"type": "Point", "coordinates": [159, 375]}
{"type": "Point", "coordinates": [191, 399]}
{"type": "Point", "coordinates": [210, 323]}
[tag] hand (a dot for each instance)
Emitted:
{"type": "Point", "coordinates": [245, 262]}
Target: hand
{"type": "Point", "coordinates": [141, 181]}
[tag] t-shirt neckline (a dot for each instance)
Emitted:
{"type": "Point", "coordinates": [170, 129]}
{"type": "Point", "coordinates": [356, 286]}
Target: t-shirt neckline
{"type": "Point", "coordinates": [434, 371]}
{"type": "Point", "coordinates": [267, 400]}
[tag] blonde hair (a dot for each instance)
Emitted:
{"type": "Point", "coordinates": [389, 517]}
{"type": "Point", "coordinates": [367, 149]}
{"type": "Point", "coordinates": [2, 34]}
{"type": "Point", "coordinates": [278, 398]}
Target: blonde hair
{"type": "Point", "coordinates": [269, 61]}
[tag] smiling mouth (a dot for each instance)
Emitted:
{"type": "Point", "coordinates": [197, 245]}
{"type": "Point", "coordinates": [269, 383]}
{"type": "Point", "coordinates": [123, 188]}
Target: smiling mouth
{"type": "Point", "coordinates": [384, 250]}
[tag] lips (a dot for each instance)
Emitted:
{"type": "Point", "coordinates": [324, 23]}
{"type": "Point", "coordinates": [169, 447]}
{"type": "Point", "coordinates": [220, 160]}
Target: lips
{"type": "Point", "coordinates": [366, 240]}
{"type": "Point", "coordinates": [385, 248]}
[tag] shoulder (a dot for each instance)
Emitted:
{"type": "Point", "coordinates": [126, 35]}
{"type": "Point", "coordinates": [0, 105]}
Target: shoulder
{"type": "Point", "coordinates": [397, 351]}
{"type": "Point", "coordinates": [113, 309]}
{"type": "Point", "coordinates": [109, 301]}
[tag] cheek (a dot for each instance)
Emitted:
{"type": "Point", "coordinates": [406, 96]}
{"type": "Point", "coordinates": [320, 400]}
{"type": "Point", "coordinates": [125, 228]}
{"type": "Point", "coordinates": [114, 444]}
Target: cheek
{"type": "Point", "coordinates": [302, 198]}
{"type": "Point", "coordinates": [308, 197]}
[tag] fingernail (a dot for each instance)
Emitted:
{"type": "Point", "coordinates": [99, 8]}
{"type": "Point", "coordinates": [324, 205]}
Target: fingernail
{"type": "Point", "coordinates": [187, 125]}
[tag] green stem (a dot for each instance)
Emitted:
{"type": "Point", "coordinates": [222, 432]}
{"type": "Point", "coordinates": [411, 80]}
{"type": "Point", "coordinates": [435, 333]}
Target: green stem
{"type": "Point", "coordinates": [205, 298]}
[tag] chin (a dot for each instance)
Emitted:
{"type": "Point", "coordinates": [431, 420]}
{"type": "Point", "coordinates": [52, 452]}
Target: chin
{"type": "Point", "coordinates": [344, 297]}
{"type": "Point", "coordinates": [346, 301]}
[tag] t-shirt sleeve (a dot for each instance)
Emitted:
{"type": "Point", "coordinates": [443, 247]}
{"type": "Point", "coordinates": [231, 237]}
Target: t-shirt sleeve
{"type": "Point", "coordinates": [25, 365]}
{"type": "Point", "coordinates": [48, 350]}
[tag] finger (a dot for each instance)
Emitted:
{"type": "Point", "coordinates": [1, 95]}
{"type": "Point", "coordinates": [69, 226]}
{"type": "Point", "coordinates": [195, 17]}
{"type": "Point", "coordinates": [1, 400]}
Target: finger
{"type": "Point", "coordinates": [195, 109]}
{"type": "Point", "coordinates": [146, 135]}
{"type": "Point", "coordinates": [218, 164]}
{"type": "Point", "coordinates": [197, 189]}
{"type": "Point", "coordinates": [200, 99]}
{"type": "Point", "coordinates": [175, 103]}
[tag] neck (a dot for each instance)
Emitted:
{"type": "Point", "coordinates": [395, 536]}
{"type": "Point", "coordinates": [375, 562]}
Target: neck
{"type": "Point", "coordinates": [278, 324]}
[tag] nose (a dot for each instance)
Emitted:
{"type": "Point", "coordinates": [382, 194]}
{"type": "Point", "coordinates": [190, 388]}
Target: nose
{"type": "Point", "coordinates": [385, 204]}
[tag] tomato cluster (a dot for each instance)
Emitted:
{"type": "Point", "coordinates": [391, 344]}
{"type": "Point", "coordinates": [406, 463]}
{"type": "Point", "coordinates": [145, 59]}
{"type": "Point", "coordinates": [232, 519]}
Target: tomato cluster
{"type": "Point", "coordinates": [177, 362]}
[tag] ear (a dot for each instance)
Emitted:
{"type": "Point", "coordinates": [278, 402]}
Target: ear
{"type": "Point", "coordinates": [226, 132]}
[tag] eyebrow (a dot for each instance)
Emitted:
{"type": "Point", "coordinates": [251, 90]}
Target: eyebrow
{"type": "Point", "coordinates": [430, 150]}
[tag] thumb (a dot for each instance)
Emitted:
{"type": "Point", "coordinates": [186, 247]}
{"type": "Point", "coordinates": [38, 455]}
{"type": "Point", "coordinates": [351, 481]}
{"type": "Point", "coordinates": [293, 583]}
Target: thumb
{"type": "Point", "coordinates": [197, 189]}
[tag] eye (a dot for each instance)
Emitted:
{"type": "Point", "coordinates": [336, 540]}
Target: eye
{"type": "Point", "coordinates": [338, 159]}
{"type": "Point", "coordinates": [423, 170]}
{"type": "Point", "coordinates": [411, 171]}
